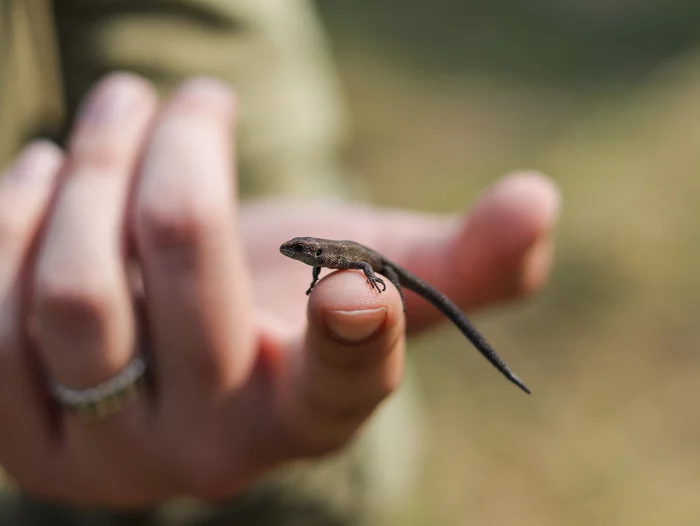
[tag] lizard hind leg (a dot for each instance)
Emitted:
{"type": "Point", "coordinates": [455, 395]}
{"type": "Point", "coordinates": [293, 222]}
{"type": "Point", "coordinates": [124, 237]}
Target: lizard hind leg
{"type": "Point", "coordinates": [390, 273]}
{"type": "Point", "coordinates": [372, 278]}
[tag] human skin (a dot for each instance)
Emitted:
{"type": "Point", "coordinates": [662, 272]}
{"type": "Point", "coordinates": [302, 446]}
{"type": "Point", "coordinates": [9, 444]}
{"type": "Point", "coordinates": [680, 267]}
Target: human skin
{"type": "Point", "coordinates": [249, 374]}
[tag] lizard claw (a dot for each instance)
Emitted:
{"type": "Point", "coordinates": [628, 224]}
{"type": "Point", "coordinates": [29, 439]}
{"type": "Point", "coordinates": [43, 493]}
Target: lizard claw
{"type": "Point", "coordinates": [375, 282]}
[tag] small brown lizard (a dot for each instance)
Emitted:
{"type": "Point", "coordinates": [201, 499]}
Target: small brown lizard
{"type": "Point", "coordinates": [326, 253]}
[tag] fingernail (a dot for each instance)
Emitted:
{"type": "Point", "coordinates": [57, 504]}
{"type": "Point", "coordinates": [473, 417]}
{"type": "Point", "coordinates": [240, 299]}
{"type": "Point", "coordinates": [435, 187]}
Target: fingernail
{"type": "Point", "coordinates": [111, 100]}
{"type": "Point", "coordinates": [206, 92]}
{"type": "Point", "coordinates": [355, 325]}
{"type": "Point", "coordinates": [537, 264]}
{"type": "Point", "coordinates": [208, 85]}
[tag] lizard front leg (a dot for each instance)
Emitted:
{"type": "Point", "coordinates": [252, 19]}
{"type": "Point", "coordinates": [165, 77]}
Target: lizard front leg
{"type": "Point", "coordinates": [314, 274]}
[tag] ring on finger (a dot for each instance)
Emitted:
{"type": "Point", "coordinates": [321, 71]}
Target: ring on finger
{"type": "Point", "coordinates": [107, 397]}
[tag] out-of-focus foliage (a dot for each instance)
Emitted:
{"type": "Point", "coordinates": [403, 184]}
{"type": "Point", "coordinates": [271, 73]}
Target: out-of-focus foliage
{"type": "Point", "coordinates": [604, 96]}
{"type": "Point", "coordinates": [556, 40]}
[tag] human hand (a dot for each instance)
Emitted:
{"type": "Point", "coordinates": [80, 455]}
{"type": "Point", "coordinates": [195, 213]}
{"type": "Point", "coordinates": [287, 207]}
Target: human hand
{"type": "Point", "coordinates": [236, 390]}
{"type": "Point", "coordinates": [231, 396]}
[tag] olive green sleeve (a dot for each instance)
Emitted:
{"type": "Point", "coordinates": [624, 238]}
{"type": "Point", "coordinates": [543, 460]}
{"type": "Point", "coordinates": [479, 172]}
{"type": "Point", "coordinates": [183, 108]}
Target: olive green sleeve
{"type": "Point", "coordinates": [31, 98]}
{"type": "Point", "coordinates": [274, 53]}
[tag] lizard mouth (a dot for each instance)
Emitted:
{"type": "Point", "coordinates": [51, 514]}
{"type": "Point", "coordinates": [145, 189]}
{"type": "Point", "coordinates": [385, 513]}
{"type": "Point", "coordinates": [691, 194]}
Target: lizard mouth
{"type": "Point", "coordinates": [285, 250]}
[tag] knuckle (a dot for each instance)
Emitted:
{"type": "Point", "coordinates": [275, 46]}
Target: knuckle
{"type": "Point", "coordinates": [178, 221]}
{"type": "Point", "coordinates": [78, 299]}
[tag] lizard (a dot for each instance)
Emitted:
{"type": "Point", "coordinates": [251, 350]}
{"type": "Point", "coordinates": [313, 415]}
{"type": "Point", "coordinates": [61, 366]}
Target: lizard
{"type": "Point", "coordinates": [343, 255]}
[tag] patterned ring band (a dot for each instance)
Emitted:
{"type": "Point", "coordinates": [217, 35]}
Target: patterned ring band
{"type": "Point", "coordinates": [107, 397]}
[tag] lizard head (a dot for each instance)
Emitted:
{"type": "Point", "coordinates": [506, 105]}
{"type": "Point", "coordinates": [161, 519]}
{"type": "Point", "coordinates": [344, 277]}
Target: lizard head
{"type": "Point", "coordinates": [308, 250]}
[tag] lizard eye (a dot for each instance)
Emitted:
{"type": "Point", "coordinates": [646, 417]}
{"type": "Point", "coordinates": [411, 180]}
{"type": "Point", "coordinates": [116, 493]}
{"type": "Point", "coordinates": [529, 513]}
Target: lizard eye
{"type": "Point", "coordinates": [298, 247]}
{"type": "Point", "coordinates": [319, 252]}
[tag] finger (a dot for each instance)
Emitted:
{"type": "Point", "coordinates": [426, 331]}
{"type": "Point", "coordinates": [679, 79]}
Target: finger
{"type": "Point", "coordinates": [83, 320]}
{"type": "Point", "coordinates": [27, 449]}
{"type": "Point", "coordinates": [82, 305]}
{"type": "Point", "coordinates": [83, 308]}
{"type": "Point", "coordinates": [196, 282]}
{"type": "Point", "coordinates": [501, 251]}
{"type": "Point", "coordinates": [506, 243]}
{"type": "Point", "coordinates": [351, 359]}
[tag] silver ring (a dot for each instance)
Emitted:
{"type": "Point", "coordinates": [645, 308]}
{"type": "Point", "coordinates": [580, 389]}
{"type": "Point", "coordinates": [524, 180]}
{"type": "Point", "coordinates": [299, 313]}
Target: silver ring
{"type": "Point", "coordinates": [107, 397]}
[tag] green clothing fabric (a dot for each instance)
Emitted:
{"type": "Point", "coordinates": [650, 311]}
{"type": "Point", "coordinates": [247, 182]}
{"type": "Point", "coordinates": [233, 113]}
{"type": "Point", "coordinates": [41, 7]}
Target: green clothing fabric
{"type": "Point", "coordinates": [291, 130]}
{"type": "Point", "coordinates": [291, 122]}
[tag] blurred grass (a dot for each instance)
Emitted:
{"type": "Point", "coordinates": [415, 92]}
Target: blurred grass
{"type": "Point", "coordinates": [611, 435]}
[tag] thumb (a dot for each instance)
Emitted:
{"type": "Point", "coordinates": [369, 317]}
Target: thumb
{"type": "Point", "coordinates": [350, 359]}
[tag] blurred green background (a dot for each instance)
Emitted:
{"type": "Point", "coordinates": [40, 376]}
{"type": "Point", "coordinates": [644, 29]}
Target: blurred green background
{"type": "Point", "coordinates": [603, 96]}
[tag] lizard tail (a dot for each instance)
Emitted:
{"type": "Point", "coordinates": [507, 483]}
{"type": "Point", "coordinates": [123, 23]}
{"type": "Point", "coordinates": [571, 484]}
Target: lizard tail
{"type": "Point", "coordinates": [449, 309]}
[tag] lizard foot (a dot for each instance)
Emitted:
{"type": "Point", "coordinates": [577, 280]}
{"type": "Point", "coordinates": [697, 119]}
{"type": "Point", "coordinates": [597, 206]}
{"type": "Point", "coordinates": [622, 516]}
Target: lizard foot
{"type": "Point", "coordinates": [375, 282]}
